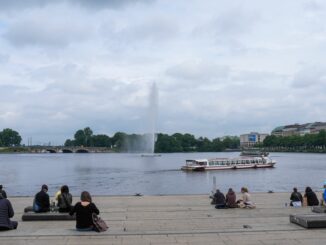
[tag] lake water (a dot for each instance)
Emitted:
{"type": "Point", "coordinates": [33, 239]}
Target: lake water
{"type": "Point", "coordinates": [127, 174]}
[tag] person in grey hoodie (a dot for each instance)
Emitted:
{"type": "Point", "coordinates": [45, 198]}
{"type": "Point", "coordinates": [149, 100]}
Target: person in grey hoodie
{"type": "Point", "coordinates": [6, 212]}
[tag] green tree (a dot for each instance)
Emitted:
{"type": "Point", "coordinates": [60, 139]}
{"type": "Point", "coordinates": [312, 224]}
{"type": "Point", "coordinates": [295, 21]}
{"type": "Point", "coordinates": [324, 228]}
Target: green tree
{"type": "Point", "coordinates": [217, 145]}
{"type": "Point", "coordinates": [80, 137]}
{"type": "Point", "coordinates": [9, 137]}
{"type": "Point", "coordinates": [83, 137]}
{"type": "Point", "coordinates": [88, 136]}
{"type": "Point", "coordinates": [118, 140]}
{"type": "Point", "coordinates": [69, 143]}
{"type": "Point", "coordinates": [166, 143]}
{"type": "Point", "coordinates": [101, 140]}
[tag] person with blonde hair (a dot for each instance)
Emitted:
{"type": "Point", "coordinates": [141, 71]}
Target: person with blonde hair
{"type": "Point", "coordinates": [246, 201]}
{"type": "Point", "coordinates": [84, 210]}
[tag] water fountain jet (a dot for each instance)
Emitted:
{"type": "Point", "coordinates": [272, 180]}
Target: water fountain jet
{"type": "Point", "coordinates": [150, 136]}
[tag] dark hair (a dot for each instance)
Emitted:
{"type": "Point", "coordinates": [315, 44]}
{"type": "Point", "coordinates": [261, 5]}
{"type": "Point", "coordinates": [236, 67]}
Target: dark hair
{"type": "Point", "coordinates": [45, 187]}
{"type": "Point", "coordinates": [230, 190]}
{"type": "Point", "coordinates": [295, 189]}
{"type": "Point", "coordinates": [308, 189]}
{"type": "Point", "coordinates": [0, 187]}
{"type": "Point", "coordinates": [64, 189]}
{"type": "Point", "coordinates": [85, 197]}
{"type": "Point", "coordinates": [244, 189]}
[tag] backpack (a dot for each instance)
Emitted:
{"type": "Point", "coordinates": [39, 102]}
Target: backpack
{"type": "Point", "coordinates": [99, 224]}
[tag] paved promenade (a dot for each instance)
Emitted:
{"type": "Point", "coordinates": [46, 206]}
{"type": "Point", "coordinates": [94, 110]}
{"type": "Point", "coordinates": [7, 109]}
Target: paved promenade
{"type": "Point", "coordinates": [188, 219]}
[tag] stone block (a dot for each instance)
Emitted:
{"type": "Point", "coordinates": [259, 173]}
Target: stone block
{"type": "Point", "coordinates": [309, 220]}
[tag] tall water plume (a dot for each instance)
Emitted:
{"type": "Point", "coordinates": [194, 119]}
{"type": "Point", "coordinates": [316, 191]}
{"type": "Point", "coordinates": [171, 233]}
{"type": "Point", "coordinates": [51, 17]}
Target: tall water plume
{"type": "Point", "coordinates": [152, 120]}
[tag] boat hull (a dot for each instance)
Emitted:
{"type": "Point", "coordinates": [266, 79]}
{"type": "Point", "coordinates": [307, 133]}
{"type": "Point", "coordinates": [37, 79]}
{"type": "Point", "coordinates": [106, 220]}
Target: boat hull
{"type": "Point", "coordinates": [205, 168]}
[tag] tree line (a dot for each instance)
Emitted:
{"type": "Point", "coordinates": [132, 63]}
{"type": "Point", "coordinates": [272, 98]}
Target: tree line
{"type": "Point", "coordinates": [177, 142]}
{"type": "Point", "coordinates": [307, 141]}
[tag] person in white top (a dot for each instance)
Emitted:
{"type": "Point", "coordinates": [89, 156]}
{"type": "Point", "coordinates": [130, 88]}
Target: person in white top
{"type": "Point", "coordinates": [246, 201]}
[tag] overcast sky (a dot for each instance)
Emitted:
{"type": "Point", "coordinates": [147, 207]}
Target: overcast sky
{"type": "Point", "coordinates": [221, 67]}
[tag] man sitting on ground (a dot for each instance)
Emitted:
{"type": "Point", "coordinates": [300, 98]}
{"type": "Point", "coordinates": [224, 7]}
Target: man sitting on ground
{"type": "Point", "coordinates": [42, 201]}
{"type": "Point", "coordinates": [6, 212]}
{"type": "Point", "coordinates": [296, 198]}
{"type": "Point", "coordinates": [219, 199]}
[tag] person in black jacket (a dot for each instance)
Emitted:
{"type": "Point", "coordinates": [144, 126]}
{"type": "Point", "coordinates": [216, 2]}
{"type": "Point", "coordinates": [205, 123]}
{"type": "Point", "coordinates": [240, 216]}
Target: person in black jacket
{"type": "Point", "coordinates": [4, 194]}
{"type": "Point", "coordinates": [296, 198]}
{"type": "Point", "coordinates": [311, 196]}
{"type": "Point", "coordinates": [84, 210]}
{"type": "Point", "coordinates": [6, 212]}
{"type": "Point", "coordinates": [219, 199]}
{"type": "Point", "coordinates": [42, 201]}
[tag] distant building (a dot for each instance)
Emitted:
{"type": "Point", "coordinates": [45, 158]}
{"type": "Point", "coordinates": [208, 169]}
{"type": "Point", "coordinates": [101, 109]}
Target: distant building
{"type": "Point", "coordinates": [299, 129]}
{"type": "Point", "coordinates": [251, 139]}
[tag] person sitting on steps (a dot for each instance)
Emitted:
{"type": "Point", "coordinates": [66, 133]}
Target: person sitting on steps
{"type": "Point", "coordinates": [84, 210]}
{"type": "Point", "coordinates": [218, 199]}
{"type": "Point", "coordinates": [64, 200]}
{"type": "Point", "coordinates": [6, 212]}
{"type": "Point", "coordinates": [231, 199]}
{"type": "Point", "coordinates": [246, 201]}
{"type": "Point", "coordinates": [42, 201]}
{"type": "Point", "coordinates": [296, 198]}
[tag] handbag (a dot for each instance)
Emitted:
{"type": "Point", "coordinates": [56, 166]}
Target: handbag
{"type": "Point", "coordinates": [99, 224]}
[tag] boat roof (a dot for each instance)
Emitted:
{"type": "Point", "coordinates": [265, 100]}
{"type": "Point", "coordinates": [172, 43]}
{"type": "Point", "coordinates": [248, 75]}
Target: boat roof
{"type": "Point", "coordinates": [198, 160]}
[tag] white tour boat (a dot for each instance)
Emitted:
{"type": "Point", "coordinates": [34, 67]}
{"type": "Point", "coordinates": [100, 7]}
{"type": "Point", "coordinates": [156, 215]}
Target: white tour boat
{"type": "Point", "coordinates": [229, 163]}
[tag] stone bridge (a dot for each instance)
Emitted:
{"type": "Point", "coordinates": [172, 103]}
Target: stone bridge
{"type": "Point", "coordinates": [64, 149]}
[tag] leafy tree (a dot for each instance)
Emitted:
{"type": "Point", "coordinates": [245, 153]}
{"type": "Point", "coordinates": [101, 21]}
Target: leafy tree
{"type": "Point", "coordinates": [118, 140]}
{"type": "Point", "coordinates": [83, 137]}
{"type": "Point", "coordinates": [88, 136]}
{"type": "Point", "coordinates": [69, 143]}
{"type": "Point", "coordinates": [9, 137]}
{"type": "Point", "coordinates": [101, 140]}
{"type": "Point", "coordinates": [166, 143]}
{"type": "Point", "coordinates": [80, 138]}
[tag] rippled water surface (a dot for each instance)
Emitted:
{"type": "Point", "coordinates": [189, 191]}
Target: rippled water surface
{"type": "Point", "coordinates": [127, 174]}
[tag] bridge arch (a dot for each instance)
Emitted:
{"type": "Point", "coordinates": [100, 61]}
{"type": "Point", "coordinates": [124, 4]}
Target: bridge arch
{"type": "Point", "coordinates": [82, 151]}
{"type": "Point", "coordinates": [67, 151]}
{"type": "Point", "coordinates": [51, 150]}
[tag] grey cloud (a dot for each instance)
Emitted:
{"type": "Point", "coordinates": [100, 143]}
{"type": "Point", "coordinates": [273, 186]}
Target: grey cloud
{"type": "Point", "coordinates": [309, 76]}
{"type": "Point", "coordinates": [4, 58]}
{"type": "Point", "coordinates": [92, 4]}
{"type": "Point", "coordinates": [45, 32]}
{"type": "Point", "coordinates": [314, 6]}
{"type": "Point", "coordinates": [198, 71]}
{"type": "Point", "coordinates": [98, 4]}
{"type": "Point", "coordinates": [229, 28]}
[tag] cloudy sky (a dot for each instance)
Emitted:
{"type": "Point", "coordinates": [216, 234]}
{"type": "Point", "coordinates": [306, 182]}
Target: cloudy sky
{"type": "Point", "coordinates": [221, 67]}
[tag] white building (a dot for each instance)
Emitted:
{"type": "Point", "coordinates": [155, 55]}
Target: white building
{"type": "Point", "coordinates": [251, 139]}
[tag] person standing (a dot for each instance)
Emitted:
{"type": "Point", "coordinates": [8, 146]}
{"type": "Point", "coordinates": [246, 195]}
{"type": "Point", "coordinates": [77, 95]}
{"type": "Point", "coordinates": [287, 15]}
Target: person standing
{"type": "Point", "coordinates": [42, 201]}
{"type": "Point", "coordinates": [4, 194]}
{"type": "Point", "coordinates": [6, 212]}
{"type": "Point", "coordinates": [324, 195]}
{"type": "Point", "coordinates": [84, 210]}
{"type": "Point", "coordinates": [296, 198]}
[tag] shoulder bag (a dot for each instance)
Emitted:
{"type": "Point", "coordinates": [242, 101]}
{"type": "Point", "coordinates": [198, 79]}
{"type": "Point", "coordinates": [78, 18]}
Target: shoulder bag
{"type": "Point", "coordinates": [99, 224]}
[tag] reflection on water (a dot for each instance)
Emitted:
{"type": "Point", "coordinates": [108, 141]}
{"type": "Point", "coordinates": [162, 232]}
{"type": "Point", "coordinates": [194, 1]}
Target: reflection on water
{"type": "Point", "coordinates": [127, 174]}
